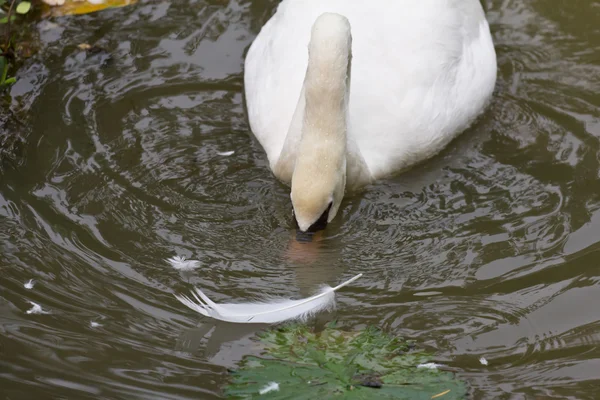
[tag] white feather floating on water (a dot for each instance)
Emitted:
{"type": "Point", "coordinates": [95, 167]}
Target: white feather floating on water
{"type": "Point", "coordinates": [483, 361]}
{"type": "Point", "coordinates": [271, 387]}
{"type": "Point", "coordinates": [226, 153]}
{"type": "Point", "coordinates": [36, 309]}
{"type": "Point", "coordinates": [274, 311]}
{"type": "Point", "coordinates": [29, 284]}
{"type": "Point", "coordinates": [180, 263]}
{"type": "Point", "coordinates": [430, 365]}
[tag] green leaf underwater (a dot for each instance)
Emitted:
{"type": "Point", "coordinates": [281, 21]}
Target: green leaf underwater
{"type": "Point", "coordinates": [298, 363]}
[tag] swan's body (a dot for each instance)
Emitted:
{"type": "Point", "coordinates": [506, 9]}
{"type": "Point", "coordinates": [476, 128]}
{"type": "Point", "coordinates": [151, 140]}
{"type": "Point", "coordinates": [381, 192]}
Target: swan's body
{"type": "Point", "coordinates": [388, 83]}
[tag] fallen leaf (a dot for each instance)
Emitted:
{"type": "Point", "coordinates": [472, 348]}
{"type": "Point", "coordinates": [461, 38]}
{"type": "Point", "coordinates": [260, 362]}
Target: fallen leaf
{"type": "Point", "coordinates": [440, 394]}
{"type": "Point", "coordinates": [71, 7]}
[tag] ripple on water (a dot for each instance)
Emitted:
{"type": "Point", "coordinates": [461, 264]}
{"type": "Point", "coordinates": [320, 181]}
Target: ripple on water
{"type": "Point", "coordinates": [487, 250]}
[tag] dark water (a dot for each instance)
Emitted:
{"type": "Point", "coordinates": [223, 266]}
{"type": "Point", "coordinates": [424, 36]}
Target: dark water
{"type": "Point", "coordinates": [110, 164]}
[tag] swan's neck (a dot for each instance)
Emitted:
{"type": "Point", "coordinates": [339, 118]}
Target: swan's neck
{"type": "Point", "coordinates": [326, 91]}
{"type": "Point", "coordinates": [319, 175]}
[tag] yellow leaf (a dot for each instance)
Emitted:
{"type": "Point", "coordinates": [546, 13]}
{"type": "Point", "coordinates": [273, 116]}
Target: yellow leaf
{"type": "Point", "coordinates": [440, 394]}
{"type": "Point", "coordinates": [73, 7]}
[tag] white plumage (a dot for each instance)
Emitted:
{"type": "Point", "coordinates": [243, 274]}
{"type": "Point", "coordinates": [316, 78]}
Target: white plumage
{"type": "Point", "coordinates": [422, 70]}
{"type": "Point", "coordinates": [419, 73]}
{"type": "Point", "coordinates": [36, 309]}
{"type": "Point", "coordinates": [182, 264]}
{"type": "Point", "coordinates": [273, 311]}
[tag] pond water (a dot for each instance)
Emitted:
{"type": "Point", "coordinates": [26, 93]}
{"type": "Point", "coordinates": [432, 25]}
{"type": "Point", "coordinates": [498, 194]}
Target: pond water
{"type": "Point", "coordinates": [110, 164]}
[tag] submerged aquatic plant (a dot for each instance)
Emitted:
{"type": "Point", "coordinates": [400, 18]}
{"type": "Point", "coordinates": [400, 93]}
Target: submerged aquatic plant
{"type": "Point", "coordinates": [335, 364]}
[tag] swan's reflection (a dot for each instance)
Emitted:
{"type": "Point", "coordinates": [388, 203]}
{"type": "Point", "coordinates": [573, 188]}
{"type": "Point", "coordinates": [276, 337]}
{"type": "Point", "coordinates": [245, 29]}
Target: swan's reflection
{"type": "Point", "coordinates": [315, 260]}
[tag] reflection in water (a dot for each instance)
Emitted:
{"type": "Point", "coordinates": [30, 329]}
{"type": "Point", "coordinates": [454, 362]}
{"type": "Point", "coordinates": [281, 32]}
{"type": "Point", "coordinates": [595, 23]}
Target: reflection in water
{"type": "Point", "coordinates": [108, 168]}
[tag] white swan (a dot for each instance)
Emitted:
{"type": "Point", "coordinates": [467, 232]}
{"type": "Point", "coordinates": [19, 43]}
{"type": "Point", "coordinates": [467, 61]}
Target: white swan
{"type": "Point", "coordinates": [343, 92]}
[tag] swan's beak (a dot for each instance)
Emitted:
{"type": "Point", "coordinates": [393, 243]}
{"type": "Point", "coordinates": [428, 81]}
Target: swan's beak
{"type": "Point", "coordinates": [319, 225]}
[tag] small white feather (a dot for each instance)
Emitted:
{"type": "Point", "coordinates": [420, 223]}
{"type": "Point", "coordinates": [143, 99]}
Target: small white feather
{"type": "Point", "coordinates": [271, 387]}
{"type": "Point", "coordinates": [430, 365]}
{"type": "Point", "coordinates": [36, 309]}
{"type": "Point", "coordinates": [274, 311]}
{"type": "Point", "coordinates": [483, 361]}
{"type": "Point", "coordinates": [226, 153]}
{"type": "Point", "coordinates": [95, 324]}
{"type": "Point", "coordinates": [29, 284]}
{"type": "Point", "coordinates": [180, 263]}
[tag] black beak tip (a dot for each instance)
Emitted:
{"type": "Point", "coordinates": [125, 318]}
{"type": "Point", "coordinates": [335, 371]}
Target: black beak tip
{"type": "Point", "coordinates": [319, 225]}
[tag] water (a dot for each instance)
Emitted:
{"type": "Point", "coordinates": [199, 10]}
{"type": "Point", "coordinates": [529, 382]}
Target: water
{"type": "Point", "coordinates": [110, 164]}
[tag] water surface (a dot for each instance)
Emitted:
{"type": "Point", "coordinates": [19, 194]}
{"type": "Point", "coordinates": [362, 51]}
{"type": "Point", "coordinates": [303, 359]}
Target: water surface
{"type": "Point", "coordinates": [110, 164]}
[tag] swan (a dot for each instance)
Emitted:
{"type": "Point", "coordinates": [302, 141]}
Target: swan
{"type": "Point", "coordinates": [341, 93]}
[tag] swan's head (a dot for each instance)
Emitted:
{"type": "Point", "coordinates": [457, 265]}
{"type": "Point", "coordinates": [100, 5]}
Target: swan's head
{"type": "Point", "coordinates": [319, 224]}
{"type": "Point", "coordinates": [319, 177]}
{"type": "Point", "coordinates": [315, 204]}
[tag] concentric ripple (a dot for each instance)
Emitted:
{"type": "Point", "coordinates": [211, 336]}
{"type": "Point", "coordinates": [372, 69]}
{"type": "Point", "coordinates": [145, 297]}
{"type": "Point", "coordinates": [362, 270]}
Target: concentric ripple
{"type": "Point", "coordinates": [112, 162]}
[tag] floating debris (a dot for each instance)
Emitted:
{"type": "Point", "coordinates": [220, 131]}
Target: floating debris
{"type": "Point", "coordinates": [271, 387]}
{"type": "Point", "coordinates": [59, 8]}
{"type": "Point", "coordinates": [36, 309]}
{"type": "Point", "coordinates": [54, 2]}
{"type": "Point", "coordinates": [430, 365]}
{"type": "Point", "coordinates": [483, 361]}
{"type": "Point", "coordinates": [95, 324]}
{"type": "Point", "coordinates": [180, 263]}
{"type": "Point", "coordinates": [226, 153]}
{"type": "Point", "coordinates": [445, 392]}
{"type": "Point", "coordinates": [29, 284]}
{"type": "Point", "coordinates": [425, 294]}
